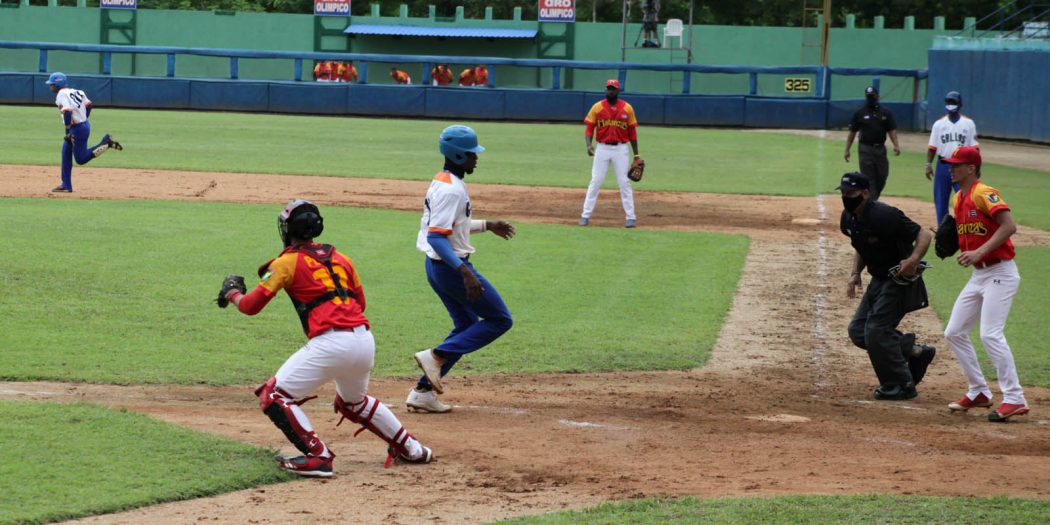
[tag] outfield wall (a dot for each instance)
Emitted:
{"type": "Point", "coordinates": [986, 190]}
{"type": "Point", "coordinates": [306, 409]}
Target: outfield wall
{"type": "Point", "coordinates": [715, 45]}
{"type": "Point", "coordinates": [1005, 86]}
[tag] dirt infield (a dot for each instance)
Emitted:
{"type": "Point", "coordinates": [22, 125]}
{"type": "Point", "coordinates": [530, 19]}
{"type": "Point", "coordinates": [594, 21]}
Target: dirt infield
{"type": "Point", "coordinates": [784, 406]}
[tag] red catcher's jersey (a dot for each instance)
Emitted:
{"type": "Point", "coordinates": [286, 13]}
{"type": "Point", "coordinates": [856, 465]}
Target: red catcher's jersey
{"type": "Point", "coordinates": [609, 123]}
{"type": "Point", "coordinates": [305, 278]}
{"type": "Point", "coordinates": [975, 220]}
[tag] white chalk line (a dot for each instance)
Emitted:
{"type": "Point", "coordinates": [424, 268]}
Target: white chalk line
{"type": "Point", "coordinates": [820, 328]}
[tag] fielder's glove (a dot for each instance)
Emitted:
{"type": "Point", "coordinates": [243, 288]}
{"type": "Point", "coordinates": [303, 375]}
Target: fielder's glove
{"type": "Point", "coordinates": [946, 240]}
{"type": "Point", "coordinates": [231, 282]}
{"type": "Point", "coordinates": [904, 281]}
{"type": "Point", "coordinates": [637, 169]}
{"type": "Point", "coordinates": [68, 138]}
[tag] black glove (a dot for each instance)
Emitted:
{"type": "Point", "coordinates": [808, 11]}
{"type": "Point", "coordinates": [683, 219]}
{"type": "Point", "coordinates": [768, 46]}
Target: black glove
{"type": "Point", "coordinates": [946, 240]}
{"type": "Point", "coordinates": [231, 282]}
{"type": "Point", "coordinates": [68, 138]}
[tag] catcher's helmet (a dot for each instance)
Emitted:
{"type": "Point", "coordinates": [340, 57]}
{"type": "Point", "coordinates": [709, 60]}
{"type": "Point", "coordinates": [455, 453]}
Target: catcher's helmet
{"type": "Point", "coordinates": [58, 80]}
{"type": "Point", "coordinates": [456, 141]}
{"type": "Point", "coordinates": [953, 96]}
{"type": "Point", "coordinates": [300, 219]}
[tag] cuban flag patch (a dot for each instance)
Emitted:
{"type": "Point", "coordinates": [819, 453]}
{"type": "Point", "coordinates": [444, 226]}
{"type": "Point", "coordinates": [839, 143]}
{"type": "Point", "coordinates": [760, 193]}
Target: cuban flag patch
{"type": "Point", "coordinates": [973, 213]}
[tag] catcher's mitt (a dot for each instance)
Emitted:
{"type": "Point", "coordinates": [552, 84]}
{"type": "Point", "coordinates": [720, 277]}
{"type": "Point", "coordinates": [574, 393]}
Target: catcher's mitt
{"type": "Point", "coordinates": [231, 282]}
{"type": "Point", "coordinates": [904, 281]}
{"type": "Point", "coordinates": [946, 240]}
{"type": "Point", "coordinates": [637, 169]}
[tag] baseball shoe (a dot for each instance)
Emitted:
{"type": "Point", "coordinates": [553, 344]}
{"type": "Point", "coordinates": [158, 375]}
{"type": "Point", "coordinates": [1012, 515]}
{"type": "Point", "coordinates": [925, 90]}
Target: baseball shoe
{"type": "Point", "coordinates": [1006, 411]}
{"type": "Point", "coordinates": [631, 223]}
{"type": "Point", "coordinates": [584, 221]}
{"type": "Point", "coordinates": [428, 362]}
{"type": "Point", "coordinates": [426, 457]}
{"type": "Point", "coordinates": [426, 401]}
{"type": "Point", "coordinates": [312, 466]}
{"type": "Point", "coordinates": [61, 189]}
{"type": "Point", "coordinates": [966, 403]}
{"type": "Point", "coordinates": [918, 364]}
{"type": "Point", "coordinates": [107, 140]}
{"type": "Point", "coordinates": [895, 392]}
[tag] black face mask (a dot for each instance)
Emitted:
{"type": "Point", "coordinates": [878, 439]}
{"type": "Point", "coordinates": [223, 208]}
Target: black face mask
{"type": "Point", "coordinates": [852, 203]}
{"type": "Point", "coordinates": [873, 102]}
{"type": "Point", "coordinates": [611, 98]}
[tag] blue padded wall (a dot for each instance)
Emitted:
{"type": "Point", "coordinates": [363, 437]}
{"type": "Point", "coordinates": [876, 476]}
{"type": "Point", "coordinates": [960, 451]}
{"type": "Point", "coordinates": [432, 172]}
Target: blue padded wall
{"type": "Point", "coordinates": [1006, 93]}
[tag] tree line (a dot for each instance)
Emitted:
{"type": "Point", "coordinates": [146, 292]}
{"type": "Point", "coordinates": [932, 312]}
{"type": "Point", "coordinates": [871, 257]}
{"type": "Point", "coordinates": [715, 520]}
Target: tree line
{"type": "Point", "coordinates": [717, 12]}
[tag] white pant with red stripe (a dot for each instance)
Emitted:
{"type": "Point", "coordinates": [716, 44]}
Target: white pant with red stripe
{"type": "Point", "coordinates": [620, 158]}
{"type": "Point", "coordinates": [987, 298]}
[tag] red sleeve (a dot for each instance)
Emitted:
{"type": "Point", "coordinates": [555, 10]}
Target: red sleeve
{"type": "Point", "coordinates": [632, 133]}
{"type": "Point", "coordinates": [590, 129]}
{"type": "Point", "coordinates": [255, 301]}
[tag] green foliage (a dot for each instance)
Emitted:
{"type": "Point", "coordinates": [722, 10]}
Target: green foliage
{"type": "Point", "coordinates": [838, 510]}
{"type": "Point", "coordinates": [131, 286]}
{"type": "Point", "coordinates": [65, 461]}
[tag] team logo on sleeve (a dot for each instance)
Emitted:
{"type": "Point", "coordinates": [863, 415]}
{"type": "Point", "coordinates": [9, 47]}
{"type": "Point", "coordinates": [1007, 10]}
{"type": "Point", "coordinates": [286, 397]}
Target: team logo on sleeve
{"type": "Point", "coordinates": [993, 198]}
{"type": "Point", "coordinates": [266, 276]}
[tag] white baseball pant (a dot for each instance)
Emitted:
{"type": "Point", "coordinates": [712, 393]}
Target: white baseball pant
{"type": "Point", "coordinates": [346, 357]}
{"type": "Point", "coordinates": [620, 158]}
{"type": "Point", "coordinates": [986, 297]}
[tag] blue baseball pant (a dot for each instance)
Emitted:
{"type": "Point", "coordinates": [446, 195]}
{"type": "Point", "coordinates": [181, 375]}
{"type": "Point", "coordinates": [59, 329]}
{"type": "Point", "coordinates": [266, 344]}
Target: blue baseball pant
{"type": "Point", "coordinates": [79, 151]}
{"type": "Point", "coordinates": [474, 324]}
{"type": "Point", "coordinates": [942, 189]}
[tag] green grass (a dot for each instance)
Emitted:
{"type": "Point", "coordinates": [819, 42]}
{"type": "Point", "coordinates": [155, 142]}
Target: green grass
{"type": "Point", "coordinates": [1026, 329]}
{"type": "Point", "coordinates": [839, 510]}
{"type": "Point", "coordinates": [65, 461]}
{"type": "Point", "coordinates": [121, 292]}
{"type": "Point", "coordinates": [678, 159]}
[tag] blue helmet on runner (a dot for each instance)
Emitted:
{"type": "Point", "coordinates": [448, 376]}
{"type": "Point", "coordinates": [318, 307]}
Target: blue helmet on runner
{"type": "Point", "coordinates": [456, 141]}
{"type": "Point", "coordinates": [953, 96]}
{"type": "Point", "coordinates": [57, 79]}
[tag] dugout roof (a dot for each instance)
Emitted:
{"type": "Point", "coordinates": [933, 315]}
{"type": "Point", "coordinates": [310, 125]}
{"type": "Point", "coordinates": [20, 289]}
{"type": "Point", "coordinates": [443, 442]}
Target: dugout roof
{"type": "Point", "coordinates": [449, 32]}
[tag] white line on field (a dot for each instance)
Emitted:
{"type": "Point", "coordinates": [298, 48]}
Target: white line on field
{"type": "Point", "coordinates": [820, 299]}
{"type": "Point", "coordinates": [586, 424]}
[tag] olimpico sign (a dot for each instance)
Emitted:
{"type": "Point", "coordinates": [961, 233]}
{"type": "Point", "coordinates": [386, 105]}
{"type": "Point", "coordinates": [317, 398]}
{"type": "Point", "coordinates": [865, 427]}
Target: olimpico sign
{"type": "Point", "coordinates": [557, 11]}
{"type": "Point", "coordinates": [118, 4]}
{"type": "Point", "coordinates": [331, 7]}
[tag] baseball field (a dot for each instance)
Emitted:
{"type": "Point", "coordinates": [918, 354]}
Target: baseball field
{"type": "Point", "coordinates": [696, 369]}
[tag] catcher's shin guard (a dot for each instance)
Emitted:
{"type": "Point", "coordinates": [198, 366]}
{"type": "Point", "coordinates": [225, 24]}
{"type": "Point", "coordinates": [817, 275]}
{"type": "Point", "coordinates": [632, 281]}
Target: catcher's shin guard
{"type": "Point", "coordinates": [289, 418]}
{"type": "Point", "coordinates": [376, 417]}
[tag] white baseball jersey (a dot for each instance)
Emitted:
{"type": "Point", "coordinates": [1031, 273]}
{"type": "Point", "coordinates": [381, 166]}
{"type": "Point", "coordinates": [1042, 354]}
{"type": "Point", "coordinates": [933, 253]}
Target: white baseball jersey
{"type": "Point", "coordinates": [73, 101]}
{"type": "Point", "coordinates": [947, 136]}
{"type": "Point", "coordinates": [446, 210]}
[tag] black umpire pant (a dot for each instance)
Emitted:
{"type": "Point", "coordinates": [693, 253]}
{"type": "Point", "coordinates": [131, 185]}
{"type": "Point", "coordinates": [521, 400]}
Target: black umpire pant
{"type": "Point", "coordinates": [874, 165]}
{"type": "Point", "coordinates": [874, 328]}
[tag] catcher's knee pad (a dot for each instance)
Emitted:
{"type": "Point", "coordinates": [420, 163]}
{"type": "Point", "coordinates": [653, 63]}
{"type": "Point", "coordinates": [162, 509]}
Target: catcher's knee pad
{"type": "Point", "coordinates": [377, 418]}
{"type": "Point", "coordinates": [289, 418]}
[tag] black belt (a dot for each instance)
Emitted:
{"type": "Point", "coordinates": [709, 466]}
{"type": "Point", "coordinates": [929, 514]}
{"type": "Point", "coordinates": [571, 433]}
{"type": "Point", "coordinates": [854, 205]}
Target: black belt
{"type": "Point", "coordinates": [883, 145]}
{"type": "Point", "coordinates": [984, 264]}
{"type": "Point", "coordinates": [613, 143]}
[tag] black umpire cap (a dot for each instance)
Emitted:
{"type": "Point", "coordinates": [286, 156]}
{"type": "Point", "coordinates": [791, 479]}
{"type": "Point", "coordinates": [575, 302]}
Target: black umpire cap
{"type": "Point", "coordinates": [871, 90]}
{"type": "Point", "coordinates": [853, 181]}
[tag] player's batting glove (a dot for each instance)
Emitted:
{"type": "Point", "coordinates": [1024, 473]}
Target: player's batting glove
{"type": "Point", "coordinates": [230, 283]}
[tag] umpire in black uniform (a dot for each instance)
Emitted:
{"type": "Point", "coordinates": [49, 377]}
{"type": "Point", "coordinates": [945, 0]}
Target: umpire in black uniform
{"type": "Point", "coordinates": [873, 122]}
{"type": "Point", "coordinates": [883, 238]}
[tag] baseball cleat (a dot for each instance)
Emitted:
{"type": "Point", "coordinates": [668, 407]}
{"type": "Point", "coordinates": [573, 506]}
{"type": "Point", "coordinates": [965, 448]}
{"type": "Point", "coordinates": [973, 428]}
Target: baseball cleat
{"type": "Point", "coordinates": [966, 403]}
{"type": "Point", "coordinates": [584, 221]}
{"type": "Point", "coordinates": [425, 457]}
{"type": "Point", "coordinates": [428, 362]}
{"type": "Point", "coordinates": [895, 392]}
{"type": "Point", "coordinates": [61, 189]}
{"type": "Point", "coordinates": [631, 223]}
{"type": "Point", "coordinates": [426, 401]}
{"type": "Point", "coordinates": [1006, 411]}
{"type": "Point", "coordinates": [311, 466]}
{"type": "Point", "coordinates": [918, 364]}
{"type": "Point", "coordinates": [107, 140]}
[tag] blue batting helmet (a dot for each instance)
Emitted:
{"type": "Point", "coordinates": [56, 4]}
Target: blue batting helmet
{"type": "Point", "coordinates": [955, 96]}
{"type": "Point", "coordinates": [456, 141]}
{"type": "Point", "coordinates": [57, 79]}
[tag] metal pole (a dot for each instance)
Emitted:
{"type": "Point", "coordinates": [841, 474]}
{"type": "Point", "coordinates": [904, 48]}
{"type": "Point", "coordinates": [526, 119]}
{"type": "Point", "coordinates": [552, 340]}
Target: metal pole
{"type": "Point", "coordinates": [825, 33]}
{"type": "Point", "coordinates": [623, 41]}
{"type": "Point", "coordinates": [689, 52]}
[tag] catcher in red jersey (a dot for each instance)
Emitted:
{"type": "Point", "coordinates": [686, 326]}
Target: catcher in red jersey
{"type": "Point", "coordinates": [326, 292]}
{"type": "Point", "coordinates": [984, 225]}
{"type": "Point", "coordinates": [613, 123]}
